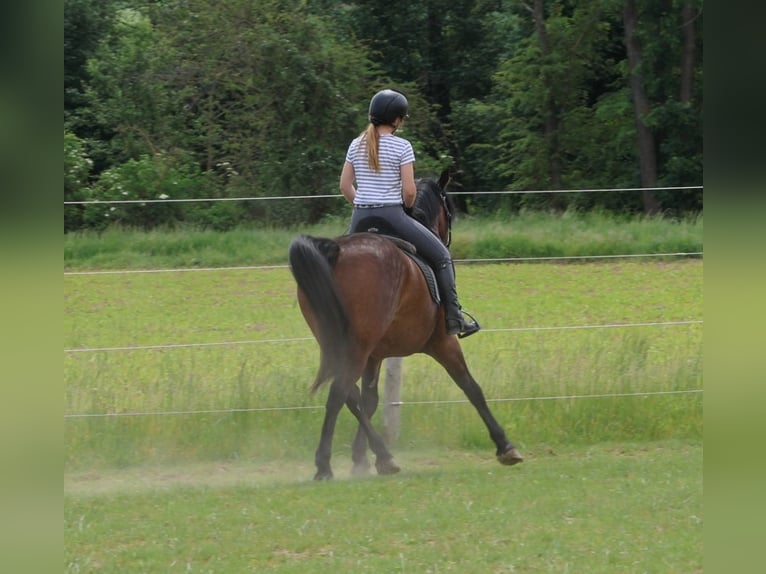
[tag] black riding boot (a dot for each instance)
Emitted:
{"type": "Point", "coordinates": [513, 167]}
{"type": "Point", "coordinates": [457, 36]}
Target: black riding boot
{"type": "Point", "coordinates": [456, 323]}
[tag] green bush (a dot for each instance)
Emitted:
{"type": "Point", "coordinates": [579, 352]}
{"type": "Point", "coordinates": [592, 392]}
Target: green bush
{"type": "Point", "coordinates": [146, 178]}
{"type": "Point", "coordinates": [77, 168]}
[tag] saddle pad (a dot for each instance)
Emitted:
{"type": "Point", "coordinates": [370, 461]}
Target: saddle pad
{"type": "Point", "coordinates": [428, 273]}
{"type": "Point", "coordinates": [380, 226]}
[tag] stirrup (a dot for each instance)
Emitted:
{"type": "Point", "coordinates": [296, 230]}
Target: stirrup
{"type": "Point", "coordinates": [468, 328]}
{"type": "Point", "coordinates": [462, 328]}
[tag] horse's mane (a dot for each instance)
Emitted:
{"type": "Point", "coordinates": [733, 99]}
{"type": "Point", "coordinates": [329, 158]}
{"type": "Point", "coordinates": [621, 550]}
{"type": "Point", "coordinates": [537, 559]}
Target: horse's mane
{"type": "Point", "coordinates": [428, 202]}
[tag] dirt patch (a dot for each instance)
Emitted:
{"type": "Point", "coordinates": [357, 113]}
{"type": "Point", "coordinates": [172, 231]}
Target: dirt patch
{"type": "Point", "coordinates": [114, 481]}
{"type": "Point", "coordinates": [241, 473]}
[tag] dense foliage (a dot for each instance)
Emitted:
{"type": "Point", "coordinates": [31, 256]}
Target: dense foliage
{"type": "Point", "coordinates": [191, 99]}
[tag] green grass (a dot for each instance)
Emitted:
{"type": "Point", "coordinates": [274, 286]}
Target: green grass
{"type": "Point", "coordinates": [611, 508]}
{"type": "Point", "coordinates": [609, 484]}
{"type": "Point", "coordinates": [535, 234]}
{"type": "Point", "coordinates": [257, 307]}
{"type": "Point", "coordinates": [528, 234]}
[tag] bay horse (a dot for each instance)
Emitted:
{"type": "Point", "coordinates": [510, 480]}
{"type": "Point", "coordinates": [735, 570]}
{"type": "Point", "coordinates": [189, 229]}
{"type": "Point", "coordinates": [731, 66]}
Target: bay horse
{"type": "Point", "coordinates": [364, 300]}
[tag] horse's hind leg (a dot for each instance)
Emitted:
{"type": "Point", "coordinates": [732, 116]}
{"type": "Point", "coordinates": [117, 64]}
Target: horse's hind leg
{"type": "Point", "coordinates": [450, 356]}
{"type": "Point", "coordinates": [339, 390]}
{"type": "Point", "coordinates": [369, 404]}
{"type": "Point", "coordinates": [384, 461]}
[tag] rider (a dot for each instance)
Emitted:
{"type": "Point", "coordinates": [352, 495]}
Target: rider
{"type": "Point", "coordinates": [382, 166]}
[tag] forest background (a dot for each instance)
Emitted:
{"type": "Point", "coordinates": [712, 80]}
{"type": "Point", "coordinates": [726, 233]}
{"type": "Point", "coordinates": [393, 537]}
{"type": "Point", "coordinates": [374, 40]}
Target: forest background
{"type": "Point", "coordinates": [196, 99]}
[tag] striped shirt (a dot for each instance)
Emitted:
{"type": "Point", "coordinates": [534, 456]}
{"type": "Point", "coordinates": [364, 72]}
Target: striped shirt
{"type": "Point", "coordinates": [385, 186]}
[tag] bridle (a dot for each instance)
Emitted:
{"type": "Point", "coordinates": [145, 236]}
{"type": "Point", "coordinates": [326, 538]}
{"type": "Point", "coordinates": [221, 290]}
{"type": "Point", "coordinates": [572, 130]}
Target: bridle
{"type": "Point", "coordinates": [429, 217]}
{"type": "Point", "coordinates": [448, 212]}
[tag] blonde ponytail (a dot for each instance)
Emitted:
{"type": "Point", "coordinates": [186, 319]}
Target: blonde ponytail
{"type": "Point", "coordinates": [371, 140]}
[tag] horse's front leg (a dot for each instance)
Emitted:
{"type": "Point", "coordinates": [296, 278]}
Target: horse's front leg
{"type": "Point", "coordinates": [450, 356]}
{"type": "Point", "coordinates": [369, 404]}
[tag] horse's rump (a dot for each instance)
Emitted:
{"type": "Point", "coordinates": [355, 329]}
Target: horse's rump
{"type": "Point", "coordinates": [385, 294]}
{"type": "Point", "coordinates": [378, 297]}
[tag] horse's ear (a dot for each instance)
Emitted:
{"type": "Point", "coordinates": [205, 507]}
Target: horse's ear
{"type": "Point", "coordinates": [444, 178]}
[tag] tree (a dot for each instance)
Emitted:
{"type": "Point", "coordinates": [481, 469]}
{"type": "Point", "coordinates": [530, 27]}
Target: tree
{"type": "Point", "coordinates": [646, 145]}
{"type": "Point", "coordinates": [449, 51]}
{"type": "Point", "coordinates": [275, 99]}
{"type": "Point", "coordinates": [86, 23]}
{"type": "Point", "coordinates": [131, 111]}
{"type": "Point", "coordinates": [543, 94]}
{"type": "Point", "coordinates": [570, 100]}
{"type": "Point", "coordinates": [261, 98]}
{"type": "Point", "coordinates": [661, 43]}
{"type": "Point", "coordinates": [268, 107]}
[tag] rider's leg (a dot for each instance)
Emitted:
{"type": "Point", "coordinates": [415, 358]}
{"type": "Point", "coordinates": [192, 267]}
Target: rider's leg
{"type": "Point", "coordinates": [456, 322]}
{"type": "Point", "coordinates": [432, 249]}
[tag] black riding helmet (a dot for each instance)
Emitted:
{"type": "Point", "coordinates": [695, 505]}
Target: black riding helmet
{"type": "Point", "coordinates": [386, 106]}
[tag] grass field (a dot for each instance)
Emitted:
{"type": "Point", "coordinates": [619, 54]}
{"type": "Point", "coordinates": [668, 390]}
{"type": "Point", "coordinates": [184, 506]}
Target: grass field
{"type": "Point", "coordinates": [525, 234]}
{"type": "Point", "coordinates": [260, 356]}
{"type": "Point", "coordinates": [612, 480]}
{"type": "Point", "coordinates": [603, 509]}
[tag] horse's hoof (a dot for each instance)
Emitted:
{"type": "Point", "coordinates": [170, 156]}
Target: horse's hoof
{"type": "Point", "coordinates": [360, 469]}
{"type": "Point", "coordinates": [323, 475]}
{"type": "Point", "coordinates": [387, 467]}
{"type": "Point", "coordinates": [510, 457]}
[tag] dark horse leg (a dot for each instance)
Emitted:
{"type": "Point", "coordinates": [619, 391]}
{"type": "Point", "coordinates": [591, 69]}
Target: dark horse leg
{"type": "Point", "coordinates": [384, 461]}
{"type": "Point", "coordinates": [335, 399]}
{"type": "Point", "coordinates": [450, 356]}
{"type": "Point", "coordinates": [344, 391]}
{"type": "Point", "coordinates": [369, 403]}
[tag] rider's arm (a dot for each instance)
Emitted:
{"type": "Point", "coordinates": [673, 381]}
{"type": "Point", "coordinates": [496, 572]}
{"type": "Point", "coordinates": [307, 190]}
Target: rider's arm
{"type": "Point", "coordinates": [347, 177]}
{"type": "Point", "coordinates": [408, 184]}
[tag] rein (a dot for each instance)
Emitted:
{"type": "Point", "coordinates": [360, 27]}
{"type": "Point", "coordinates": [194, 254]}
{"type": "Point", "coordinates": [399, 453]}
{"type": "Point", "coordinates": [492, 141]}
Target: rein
{"type": "Point", "coordinates": [445, 206]}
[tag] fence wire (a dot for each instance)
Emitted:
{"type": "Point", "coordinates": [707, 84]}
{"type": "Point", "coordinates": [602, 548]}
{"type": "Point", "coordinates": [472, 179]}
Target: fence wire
{"type": "Point", "coordinates": [466, 261]}
{"type": "Point", "coordinates": [392, 404]}
{"type": "Point", "coordinates": [339, 196]}
{"type": "Point", "coordinates": [300, 339]}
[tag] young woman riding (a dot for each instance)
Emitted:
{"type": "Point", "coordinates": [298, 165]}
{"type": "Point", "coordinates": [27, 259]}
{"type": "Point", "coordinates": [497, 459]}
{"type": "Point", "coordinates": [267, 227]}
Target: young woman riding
{"type": "Point", "coordinates": [378, 178]}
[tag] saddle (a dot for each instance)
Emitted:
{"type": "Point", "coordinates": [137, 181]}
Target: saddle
{"type": "Point", "coordinates": [381, 227]}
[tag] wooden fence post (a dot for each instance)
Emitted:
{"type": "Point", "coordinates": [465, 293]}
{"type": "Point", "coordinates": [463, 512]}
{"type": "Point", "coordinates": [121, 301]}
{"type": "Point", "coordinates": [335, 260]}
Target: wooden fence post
{"type": "Point", "coordinates": [391, 398]}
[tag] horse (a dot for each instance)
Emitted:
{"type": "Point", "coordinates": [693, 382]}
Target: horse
{"type": "Point", "coordinates": [365, 299]}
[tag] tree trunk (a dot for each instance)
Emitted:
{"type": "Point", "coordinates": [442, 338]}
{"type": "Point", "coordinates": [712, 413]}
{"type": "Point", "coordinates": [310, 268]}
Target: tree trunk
{"type": "Point", "coordinates": [437, 85]}
{"type": "Point", "coordinates": [550, 110]}
{"type": "Point", "coordinates": [647, 155]}
{"type": "Point", "coordinates": [688, 18]}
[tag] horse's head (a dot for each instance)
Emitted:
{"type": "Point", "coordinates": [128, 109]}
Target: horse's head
{"type": "Point", "coordinates": [433, 207]}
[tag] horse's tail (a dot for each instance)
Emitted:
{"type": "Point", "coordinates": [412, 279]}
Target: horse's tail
{"type": "Point", "coordinates": [311, 261]}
